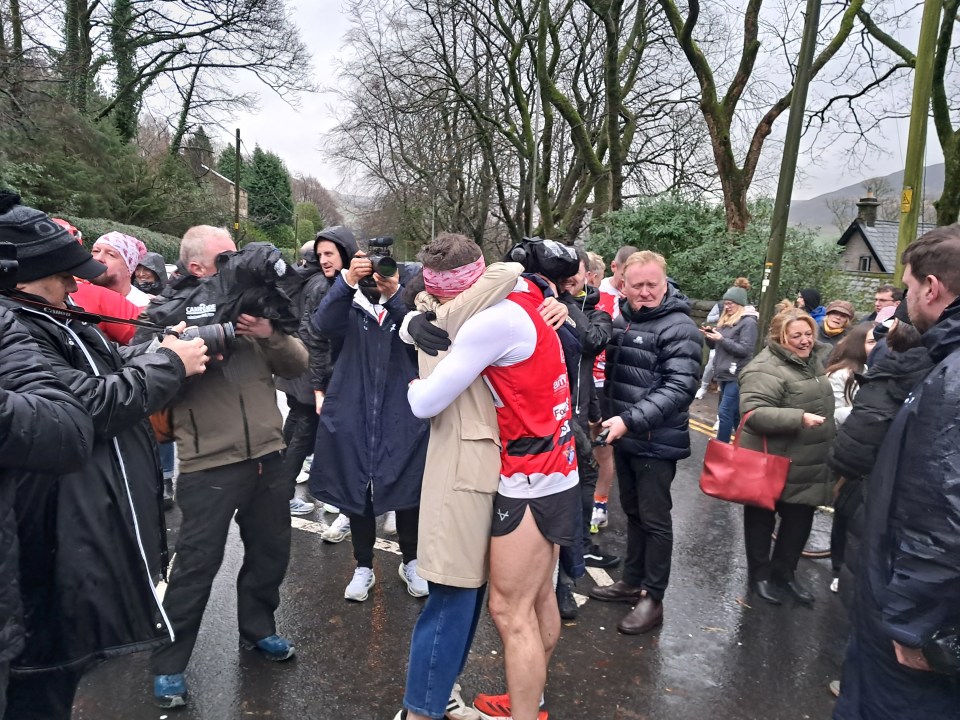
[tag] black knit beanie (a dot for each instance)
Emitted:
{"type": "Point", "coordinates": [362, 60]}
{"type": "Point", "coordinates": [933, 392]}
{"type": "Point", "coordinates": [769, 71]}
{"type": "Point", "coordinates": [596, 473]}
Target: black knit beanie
{"type": "Point", "coordinates": [43, 247]}
{"type": "Point", "coordinates": [811, 299]}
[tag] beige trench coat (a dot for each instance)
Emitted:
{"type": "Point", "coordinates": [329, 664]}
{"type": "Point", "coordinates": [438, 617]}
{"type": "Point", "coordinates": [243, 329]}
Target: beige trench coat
{"type": "Point", "coordinates": [462, 470]}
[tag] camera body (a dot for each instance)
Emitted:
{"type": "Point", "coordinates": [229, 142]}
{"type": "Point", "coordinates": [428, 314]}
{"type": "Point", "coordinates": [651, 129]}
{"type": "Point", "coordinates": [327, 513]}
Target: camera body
{"type": "Point", "coordinates": [380, 256]}
{"type": "Point", "coordinates": [547, 257]}
{"type": "Point", "coordinates": [8, 266]}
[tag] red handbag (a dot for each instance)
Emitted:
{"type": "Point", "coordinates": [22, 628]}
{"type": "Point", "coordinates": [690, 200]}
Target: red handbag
{"type": "Point", "coordinates": [741, 475]}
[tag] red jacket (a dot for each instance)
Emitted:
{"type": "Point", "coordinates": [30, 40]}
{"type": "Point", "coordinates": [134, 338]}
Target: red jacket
{"type": "Point", "coordinates": [101, 301]}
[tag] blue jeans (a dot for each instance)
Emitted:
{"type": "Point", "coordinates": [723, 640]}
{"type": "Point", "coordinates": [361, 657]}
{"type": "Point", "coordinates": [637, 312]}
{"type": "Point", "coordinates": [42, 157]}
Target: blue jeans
{"type": "Point", "coordinates": [167, 459]}
{"type": "Point", "coordinates": [729, 411]}
{"type": "Point", "coordinates": [440, 646]}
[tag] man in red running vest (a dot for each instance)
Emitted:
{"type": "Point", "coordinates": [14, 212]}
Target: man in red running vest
{"type": "Point", "coordinates": [536, 507]}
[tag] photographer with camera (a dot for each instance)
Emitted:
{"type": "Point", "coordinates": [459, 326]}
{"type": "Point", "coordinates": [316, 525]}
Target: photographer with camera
{"type": "Point", "coordinates": [92, 539]}
{"type": "Point", "coordinates": [229, 438]}
{"type": "Point", "coordinates": [371, 445]}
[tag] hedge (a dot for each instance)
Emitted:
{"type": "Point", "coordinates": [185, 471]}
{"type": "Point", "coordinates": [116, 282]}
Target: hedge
{"type": "Point", "coordinates": [92, 228]}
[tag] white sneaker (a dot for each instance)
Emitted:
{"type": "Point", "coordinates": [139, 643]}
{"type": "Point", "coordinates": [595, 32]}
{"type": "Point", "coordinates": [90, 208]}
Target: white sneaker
{"type": "Point", "coordinates": [457, 709]}
{"type": "Point", "coordinates": [716, 425]}
{"type": "Point", "coordinates": [359, 588]}
{"type": "Point", "coordinates": [390, 523]}
{"type": "Point", "coordinates": [298, 506]}
{"type": "Point", "coordinates": [338, 530]}
{"type": "Point", "coordinates": [332, 509]}
{"type": "Point", "coordinates": [835, 585]}
{"type": "Point", "coordinates": [600, 518]}
{"type": "Point", "coordinates": [303, 476]}
{"type": "Point", "coordinates": [416, 585]}
{"type": "Point", "coordinates": [700, 393]}
{"type": "Point", "coordinates": [307, 463]}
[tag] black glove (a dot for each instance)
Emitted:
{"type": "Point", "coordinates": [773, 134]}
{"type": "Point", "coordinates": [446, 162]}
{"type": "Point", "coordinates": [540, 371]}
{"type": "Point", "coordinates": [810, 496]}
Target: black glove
{"type": "Point", "coordinates": [427, 336]}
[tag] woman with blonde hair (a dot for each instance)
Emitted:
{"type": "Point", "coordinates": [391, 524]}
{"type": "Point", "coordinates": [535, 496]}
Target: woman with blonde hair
{"type": "Point", "coordinates": [734, 340]}
{"type": "Point", "coordinates": [713, 317]}
{"type": "Point", "coordinates": [788, 402]}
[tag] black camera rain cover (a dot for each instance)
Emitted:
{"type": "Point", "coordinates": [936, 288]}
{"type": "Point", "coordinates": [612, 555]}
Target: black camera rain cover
{"type": "Point", "coordinates": [254, 280]}
{"type": "Point", "coordinates": [545, 257]}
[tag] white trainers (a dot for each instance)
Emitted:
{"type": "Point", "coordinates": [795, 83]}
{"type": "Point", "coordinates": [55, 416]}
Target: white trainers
{"type": "Point", "coordinates": [338, 530]}
{"type": "Point", "coordinates": [716, 425]}
{"type": "Point", "coordinates": [700, 393]}
{"type": "Point", "coordinates": [299, 506]}
{"type": "Point", "coordinates": [359, 588]}
{"type": "Point", "coordinates": [600, 518]}
{"type": "Point", "coordinates": [416, 585]}
{"type": "Point", "coordinates": [835, 585]}
{"type": "Point", "coordinates": [457, 709]}
{"type": "Point", "coordinates": [307, 463]}
{"type": "Point", "coordinates": [332, 509]}
{"type": "Point", "coordinates": [390, 523]}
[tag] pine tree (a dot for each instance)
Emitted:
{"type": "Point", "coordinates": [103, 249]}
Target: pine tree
{"type": "Point", "coordinates": [269, 196]}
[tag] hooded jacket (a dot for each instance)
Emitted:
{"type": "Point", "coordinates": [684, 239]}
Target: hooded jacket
{"type": "Point", "coordinates": [43, 428]}
{"type": "Point", "coordinates": [777, 388]}
{"type": "Point", "coordinates": [154, 261]}
{"type": "Point", "coordinates": [92, 537]}
{"type": "Point", "coordinates": [652, 374]}
{"type": "Point", "coordinates": [322, 350]}
{"type": "Point", "coordinates": [737, 346]}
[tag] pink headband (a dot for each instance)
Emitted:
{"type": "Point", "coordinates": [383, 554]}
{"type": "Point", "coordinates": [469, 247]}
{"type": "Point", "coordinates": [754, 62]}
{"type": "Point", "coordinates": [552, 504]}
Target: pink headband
{"type": "Point", "coordinates": [131, 250]}
{"type": "Point", "coordinates": [450, 283]}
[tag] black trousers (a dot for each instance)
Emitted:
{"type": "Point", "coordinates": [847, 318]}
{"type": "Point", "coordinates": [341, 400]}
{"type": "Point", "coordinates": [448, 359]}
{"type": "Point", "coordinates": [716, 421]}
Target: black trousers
{"type": "Point", "coordinates": [363, 534]}
{"type": "Point", "coordinates": [260, 495]}
{"type": "Point", "coordinates": [300, 435]}
{"type": "Point", "coordinates": [758, 525]}
{"type": "Point", "coordinates": [41, 696]}
{"type": "Point", "coordinates": [645, 497]}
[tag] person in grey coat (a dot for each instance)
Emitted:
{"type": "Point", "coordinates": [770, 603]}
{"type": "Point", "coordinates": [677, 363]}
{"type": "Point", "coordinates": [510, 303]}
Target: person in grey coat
{"type": "Point", "coordinates": [735, 340]}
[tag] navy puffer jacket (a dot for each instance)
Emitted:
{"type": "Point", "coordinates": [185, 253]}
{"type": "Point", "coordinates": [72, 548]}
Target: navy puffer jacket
{"type": "Point", "coordinates": [652, 374]}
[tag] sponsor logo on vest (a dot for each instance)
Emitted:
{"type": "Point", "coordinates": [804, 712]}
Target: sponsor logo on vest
{"type": "Point", "coordinates": [204, 310]}
{"type": "Point", "coordinates": [560, 411]}
{"type": "Point", "coordinates": [560, 383]}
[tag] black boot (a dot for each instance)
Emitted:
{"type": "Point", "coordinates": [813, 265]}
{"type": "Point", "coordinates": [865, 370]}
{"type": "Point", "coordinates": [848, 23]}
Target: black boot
{"type": "Point", "coordinates": [566, 603]}
{"type": "Point", "coordinates": [798, 590]}
{"type": "Point", "coordinates": [766, 590]}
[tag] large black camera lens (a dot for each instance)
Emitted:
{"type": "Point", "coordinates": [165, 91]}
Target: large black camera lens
{"type": "Point", "coordinates": [219, 338]}
{"type": "Point", "coordinates": [384, 265]}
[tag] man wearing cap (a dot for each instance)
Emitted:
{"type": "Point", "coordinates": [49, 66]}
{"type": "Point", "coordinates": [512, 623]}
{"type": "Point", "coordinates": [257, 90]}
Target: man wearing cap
{"type": "Point", "coordinates": [836, 323]}
{"type": "Point", "coordinates": [90, 536]}
{"type": "Point", "coordinates": [120, 254]}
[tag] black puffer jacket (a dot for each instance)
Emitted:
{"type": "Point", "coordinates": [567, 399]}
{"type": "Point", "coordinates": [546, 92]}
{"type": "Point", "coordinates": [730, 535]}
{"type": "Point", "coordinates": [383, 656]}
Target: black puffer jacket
{"type": "Point", "coordinates": [652, 374]}
{"type": "Point", "coordinates": [594, 328]}
{"type": "Point", "coordinates": [883, 388]}
{"type": "Point", "coordinates": [92, 538]}
{"type": "Point", "coordinates": [42, 428]}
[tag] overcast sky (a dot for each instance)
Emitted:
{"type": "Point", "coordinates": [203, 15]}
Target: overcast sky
{"type": "Point", "coordinates": [295, 134]}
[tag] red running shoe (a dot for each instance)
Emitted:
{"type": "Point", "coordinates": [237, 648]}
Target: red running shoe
{"type": "Point", "coordinates": [497, 707]}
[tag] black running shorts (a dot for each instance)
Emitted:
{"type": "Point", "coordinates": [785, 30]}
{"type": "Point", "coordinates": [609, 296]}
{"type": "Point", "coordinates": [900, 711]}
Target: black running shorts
{"type": "Point", "coordinates": [557, 516]}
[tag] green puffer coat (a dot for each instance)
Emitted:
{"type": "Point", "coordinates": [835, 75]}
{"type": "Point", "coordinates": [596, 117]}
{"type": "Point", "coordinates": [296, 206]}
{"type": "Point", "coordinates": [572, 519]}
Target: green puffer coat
{"type": "Point", "coordinates": [779, 387]}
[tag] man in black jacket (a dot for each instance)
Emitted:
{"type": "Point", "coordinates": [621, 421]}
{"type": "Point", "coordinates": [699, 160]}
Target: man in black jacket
{"type": "Point", "coordinates": [903, 659]}
{"type": "Point", "coordinates": [43, 428]}
{"type": "Point", "coordinates": [324, 258]}
{"type": "Point", "coordinates": [91, 535]}
{"type": "Point", "coordinates": [652, 374]}
{"type": "Point", "coordinates": [592, 326]}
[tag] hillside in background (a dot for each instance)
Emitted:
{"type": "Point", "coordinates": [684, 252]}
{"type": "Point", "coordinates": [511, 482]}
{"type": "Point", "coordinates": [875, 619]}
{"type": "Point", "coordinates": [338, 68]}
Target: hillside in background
{"type": "Point", "coordinates": [819, 211]}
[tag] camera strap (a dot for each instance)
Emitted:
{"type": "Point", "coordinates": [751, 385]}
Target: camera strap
{"type": "Point", "coordinates": [69, 313]}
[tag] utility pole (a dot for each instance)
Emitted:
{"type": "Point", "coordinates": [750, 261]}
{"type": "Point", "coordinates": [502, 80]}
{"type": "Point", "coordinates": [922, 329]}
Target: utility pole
{"type": "Point", "coordinates": [770, 285]}
{"type": "Point", "coordinates": [236, 192]}
{"type": "Point", "coordinates": [911, 199]}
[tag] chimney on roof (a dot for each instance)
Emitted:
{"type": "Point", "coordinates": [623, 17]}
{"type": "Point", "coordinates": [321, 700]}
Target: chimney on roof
{"type": "Point", "coordinates": [867, 209]}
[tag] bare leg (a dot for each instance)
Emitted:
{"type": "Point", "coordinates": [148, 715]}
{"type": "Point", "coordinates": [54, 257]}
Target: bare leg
{"type": "Point", "coordinates": [521, 568]}
{"type": "Point", "coordinates": [607, 471]}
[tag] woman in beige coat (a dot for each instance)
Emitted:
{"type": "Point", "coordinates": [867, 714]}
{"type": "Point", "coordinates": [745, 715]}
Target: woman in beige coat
{"type": "Point", "coordinates": [460, 481]}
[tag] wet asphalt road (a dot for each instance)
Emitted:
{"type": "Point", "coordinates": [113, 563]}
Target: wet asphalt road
{"type": "Point", "coordinates": [719, 655]}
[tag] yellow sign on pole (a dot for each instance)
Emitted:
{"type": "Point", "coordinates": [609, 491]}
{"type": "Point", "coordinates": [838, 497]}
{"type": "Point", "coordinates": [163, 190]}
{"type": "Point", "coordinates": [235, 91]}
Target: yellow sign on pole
{"type": "Point", "coordinates": [906, 200]}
